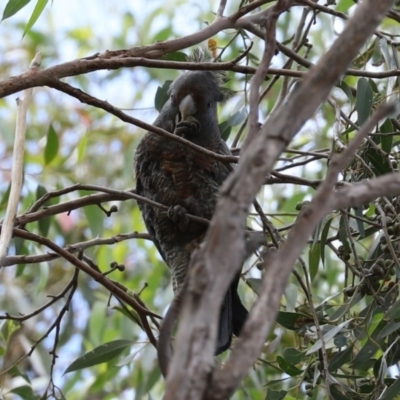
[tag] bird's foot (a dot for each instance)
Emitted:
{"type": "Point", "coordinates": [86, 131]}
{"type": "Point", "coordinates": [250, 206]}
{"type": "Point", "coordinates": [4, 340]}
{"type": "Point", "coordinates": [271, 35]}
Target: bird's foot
{"type": "Point", "coordinates": [178, 214]}
{"type": "Point", "coordinates": [188, 127]}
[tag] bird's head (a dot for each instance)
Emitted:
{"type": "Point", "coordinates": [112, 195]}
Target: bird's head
{"type": "Point", "coordinates": [196, 94]}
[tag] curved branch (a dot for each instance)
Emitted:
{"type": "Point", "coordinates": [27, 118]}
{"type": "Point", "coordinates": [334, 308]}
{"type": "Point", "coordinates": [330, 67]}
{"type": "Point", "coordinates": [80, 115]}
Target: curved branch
{"type": "Point", "coordinates": [225, 238]}
{"type": "Point", "coordinates": [73, 248]}
{"type": "Point", "coordinates": [88, 99]}
{"type": "Point", "coordinates": [108, 195]}
{"type": "Point", "coordinates": [96, 275]}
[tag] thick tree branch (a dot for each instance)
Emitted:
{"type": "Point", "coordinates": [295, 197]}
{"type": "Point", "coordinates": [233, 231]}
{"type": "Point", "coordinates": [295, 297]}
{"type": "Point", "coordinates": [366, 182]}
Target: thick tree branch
{"type": "Point", "coordinates": [192, 364]}
{"type": "Point", "coordinates": [145, 56]}
{"type": "Point", "coordinates": [279, 267]}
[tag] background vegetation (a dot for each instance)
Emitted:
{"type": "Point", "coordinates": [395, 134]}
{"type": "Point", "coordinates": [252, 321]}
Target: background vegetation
{"type": "Point", "coordinates": [345, 285]}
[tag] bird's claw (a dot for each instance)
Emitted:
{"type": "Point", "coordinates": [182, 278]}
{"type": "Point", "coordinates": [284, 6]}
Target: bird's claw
{"type": "Point", "coordinates": [187, 127]}
{"type": "Point", "coordinates": [178, 214]}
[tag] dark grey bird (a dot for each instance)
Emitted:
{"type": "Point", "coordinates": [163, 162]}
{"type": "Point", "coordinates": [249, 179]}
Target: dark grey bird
{"type": "Point", "coordinates": [187, 182]}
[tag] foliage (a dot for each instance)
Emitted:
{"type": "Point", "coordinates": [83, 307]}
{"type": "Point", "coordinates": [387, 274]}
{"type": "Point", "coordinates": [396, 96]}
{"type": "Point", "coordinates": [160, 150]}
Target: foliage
{"type": "Point", "coordinates": [64, 334]}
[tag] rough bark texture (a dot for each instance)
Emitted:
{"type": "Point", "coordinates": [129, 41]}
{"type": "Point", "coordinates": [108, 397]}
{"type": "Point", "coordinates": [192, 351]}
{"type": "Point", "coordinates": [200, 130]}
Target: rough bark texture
{"type": "Point", "coordinates": [192, 365]}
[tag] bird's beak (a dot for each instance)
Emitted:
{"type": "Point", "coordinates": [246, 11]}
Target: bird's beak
{"type": "Point", "coordinates": [187, 107]}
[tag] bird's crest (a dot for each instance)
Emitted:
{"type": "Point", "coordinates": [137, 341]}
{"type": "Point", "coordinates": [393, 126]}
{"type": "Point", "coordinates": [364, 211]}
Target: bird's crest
{"type": "Point", "coordinates": [220, 77]}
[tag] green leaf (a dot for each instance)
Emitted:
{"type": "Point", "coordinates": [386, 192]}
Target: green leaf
{"type": "Point", "coordinates": [328, 336]}
{"type": "Point", "coordinates": [347, 90]}
{"type": "Point", "coordinates": [314, 255]}
{"type": "Point", "coordinates": [255, 284]}
{"type": "Point", "coordinates": [293, 356]}
{"type": "Point", "coordinates": [82, 146]}
{"type": "Point", "coordinates": [290, 369]}
{"type": "Point", "coordinates": [364, 359]}
{"type": "Point", "coordinates": [164, 34]}
{"type": "Point", "coordinates": [238, 117]}
{"type": "Point", "coordinates": [43, 223]}
{"type": "Point", "coordinates": [162, 95]}
{"type": "Point", "coordinates": [380, 163]}
{"type": "Point", "coordinates": [363, 58]}
{"type": "Point", "coordinates": [12, 7]}
{"type": "Point", "coordinates": [95, 218]}
{"type": "Point", "coordinates": [364, 100]}
{"type": "Point", "coordinates": [391, 327]}
{"type": "Point", "coordinates": [225, 129]}
{"type": "Point", "coordinates": [337, 394]}
{"type": "Point", "coordinates": [254, 58]}
{"type": "Point", "coordinates": [343, 235]}
{"type": "Point", "coordinates": [175, 56]}
{"type": "Point", "coordinates": [40, 5]}
{"type": "Point", "coordinates": [358, 211]}
{"type": "Point", "coordinates": [99, 355]}
{"type": "Point", "coordinates": [394, 311]}
{"type": "Point", "coordinates": [324, 237]}
{"type": "Point", "coordinates": [52, 145]}
{"type": "Point", "coordinates": [292, 321]}
{"type": "Point", "coordinates": [291, 292]}
{"type": "Point", "coordinates": [340, 358]}
{"type": "Point", "coordinates": [344, 5]}
{"type": "Point", "coordinates": [6, 195]}
{"type": "Point", "coordinates": [275, 394]}
{"type": "Point", "coordinates": [387, 140]}
{"type": "Point", "coordinates": [7, 329]}
{"type": "Point", "coordinates": [393, 391]}
{"type": "Point", "coordinates": [97, 323]}
{"type": "Point", "coordinates": [24, 392]}
{"type": "Point", "coordinates": [152, 379]}
{"type": "Point", "coordinates": [288, 41]}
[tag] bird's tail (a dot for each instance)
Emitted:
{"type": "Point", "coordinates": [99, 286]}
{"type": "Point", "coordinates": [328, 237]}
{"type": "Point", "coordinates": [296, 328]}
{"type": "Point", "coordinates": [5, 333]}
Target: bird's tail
{"type": "Point", "coordinates": [232, 318]}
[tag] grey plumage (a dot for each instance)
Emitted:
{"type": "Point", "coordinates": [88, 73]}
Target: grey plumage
{"type": "Point", "coordinates": [187, 182]}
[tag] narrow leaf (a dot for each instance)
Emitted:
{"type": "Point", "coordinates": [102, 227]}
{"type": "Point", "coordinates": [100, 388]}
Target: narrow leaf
{"type": "Point", "coordinates": [40, 5]}
{"type": "Point", "coordinates": [43, 223]}
{"type": "Point", "coordinates": [292, 355]}
{"type": "Point", "coordinates": [387, 140]}
{"type": "Point", "coordinates": [12, 7]}
{"type": "Point", "coordinates": [290, 369]}
{"type": "Point", "coordinates": [25, 392]}
{"type": "Point", "coordinates": [394, 311]}
{"type": "Point", "coordinates": [364, 100]}
{"type": "Point", "coordinates": [314, 255]}
{"type": "Point", "coordinates": [175, 56]}
{"type": "Point", "coordinates": [340, 358]}
{"type": "Point", "coordinates": [95, 217]}
{"type": "Point", "coordinates": [255, 284]}
{"type": "Point", "coordinates": [52, 145]}
{"type": "Point", "coordinates": [324, 237]}
{"type": "Point", "coordinates": [360, 225]}
{"type": "Point", "coordinates": [276, 394]}
{"type": "Point", "coordinates": [99, 355]}
{"type": "Point", "coordinates": [292, 321]}
{"type": "Point", "coordinates": [161, 95]}
{"type": "Point", "coordinates": [225, 129]}
{"type": "Point", "coordinates": [328, 336]}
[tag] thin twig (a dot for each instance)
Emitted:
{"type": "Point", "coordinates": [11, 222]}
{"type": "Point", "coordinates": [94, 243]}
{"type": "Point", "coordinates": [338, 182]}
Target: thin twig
{"type": "Point", "coordinates": [17, 166]}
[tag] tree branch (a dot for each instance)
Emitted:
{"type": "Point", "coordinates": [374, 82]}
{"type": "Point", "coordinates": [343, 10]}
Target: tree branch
{"type": "Point", "coordinates": [17, 166]}
{"type": "Point", "coordinates": [191, 367]}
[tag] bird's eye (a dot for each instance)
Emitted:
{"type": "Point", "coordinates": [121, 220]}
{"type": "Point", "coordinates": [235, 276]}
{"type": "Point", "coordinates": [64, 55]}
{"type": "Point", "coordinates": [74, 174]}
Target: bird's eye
{"type": "Point", "coordinates": [172, 96]}
{"type": "Point", "coordinates": [209, 105]}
